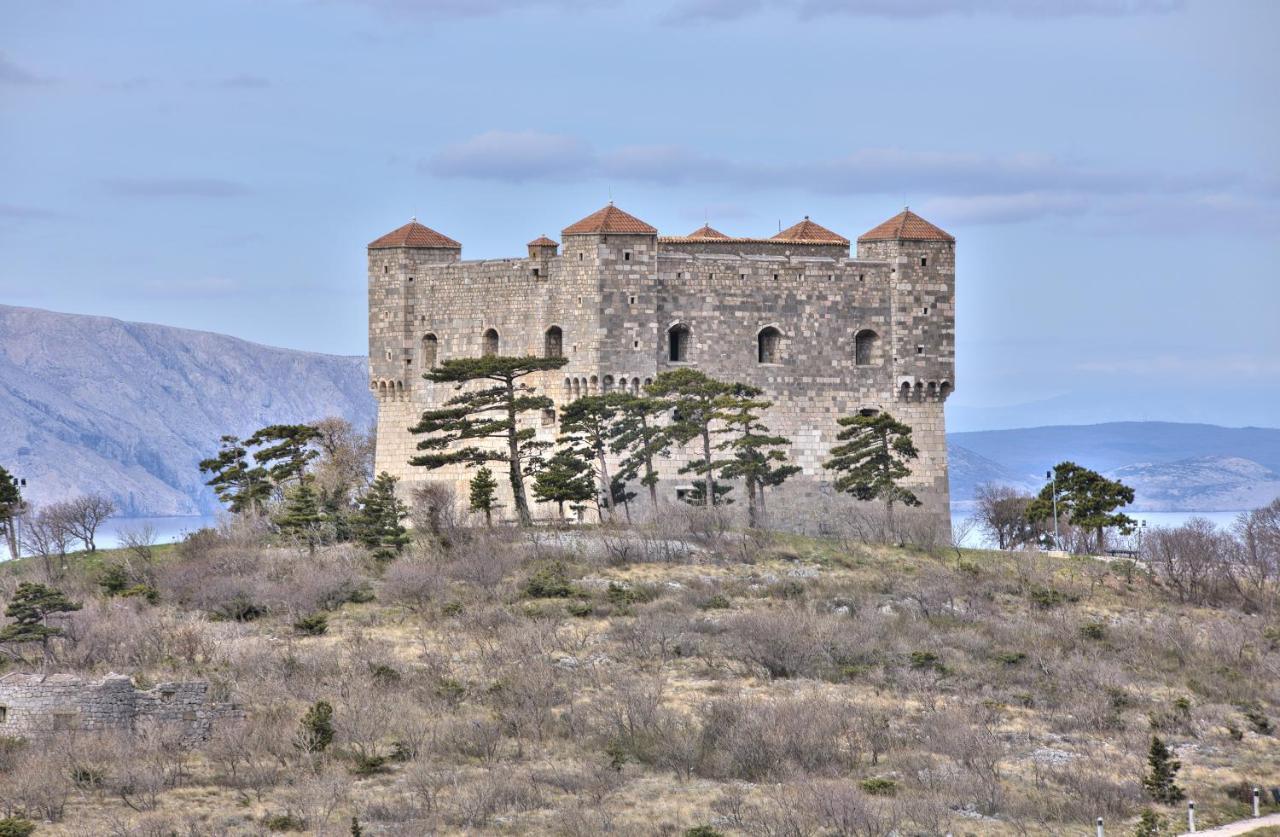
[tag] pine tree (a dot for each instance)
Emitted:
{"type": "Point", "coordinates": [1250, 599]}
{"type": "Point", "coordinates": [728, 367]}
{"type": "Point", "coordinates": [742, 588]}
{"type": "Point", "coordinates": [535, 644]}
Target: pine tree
{"type": "Point", "coordinates": [489, 414]}
{"type": "Point", "coordinates": [1151, 824]}
{"type": "Point", "coordinates": [872, 462]}
{"type": "Point", "coordinates": [694, 400]}
{"type": "Point", "coordinates": [484, 493]}
{"type": "Point", "coordinates": [1160, 781]}
{"type": "Point", "coordinates": [588, 426]}
{"type": "Point", "coordinates": [30, 608]}
{"type": "Point", "coordinates": [1087, 499]}
{"type": "Point", "coordinates": [564, 478]}
{"type": "Point", "coordinates": [755, 455]}
{"type": "Point", "coordinates": [301, 515]}
{"type": "Point", "coordinates": [316, 732]}
{"type": "Point", "coordinates": [244, 487]}
{"type": "Point", "coordinates": [284, 450]}
{"type": "Point", "coordinates": [379, 519]}
{"type": "Point", "coordinates": [641, 440]}
{"type": "Point", "coordinates": [11, 507]}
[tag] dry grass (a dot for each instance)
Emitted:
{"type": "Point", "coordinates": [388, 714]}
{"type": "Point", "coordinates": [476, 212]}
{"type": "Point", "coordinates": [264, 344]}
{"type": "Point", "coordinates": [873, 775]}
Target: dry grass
{"type": "Point", "coordinates": [648, 683]}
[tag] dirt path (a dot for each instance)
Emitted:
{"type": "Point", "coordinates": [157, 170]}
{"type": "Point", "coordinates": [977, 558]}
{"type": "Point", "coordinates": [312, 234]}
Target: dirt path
{"type": "Point", "coordinates": [1240, 827]}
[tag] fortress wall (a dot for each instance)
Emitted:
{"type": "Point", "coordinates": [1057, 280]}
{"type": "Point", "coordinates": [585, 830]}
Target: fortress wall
{"type": "Point", "coordinates": [36, 704]}
{"type": "Point", "coordinates": [751, 247]}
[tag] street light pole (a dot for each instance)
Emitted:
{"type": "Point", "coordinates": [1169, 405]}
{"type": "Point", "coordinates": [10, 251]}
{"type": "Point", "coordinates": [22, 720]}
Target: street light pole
{"type": "Point", "coordinates": [1053, 476]}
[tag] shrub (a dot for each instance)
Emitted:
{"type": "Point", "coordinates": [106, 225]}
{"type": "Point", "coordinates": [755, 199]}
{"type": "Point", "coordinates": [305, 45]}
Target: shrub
{"type": "Point", "coordinates": [1151, 824]}
{"type": "Point", "coordinates": [926, 661]}
{"type": "Point", "coordinates": [369, 764]}
{"type": "Point", "coordinates": [114, 580]}
{"type": "Point", "coordinates": [142, 591]}
{"type": "Point", "coordinates": [1257, 718]}
{"type": "Point", "coordinates": [1093, 630]}
{"type": "Point", "coordinates": [702, 831]}
{"type": "Point", "coordinates": [283, 822]}
{"type": "Point", "coordinates": [1045, 598]}
{"type": "Point", "coordinates": [579, 609]}
{"type": "Point", "coordinates": [715, 602]}
{"type": "Point", "coordinates": [1011, 658]}
{"type": "Point", "coordinates": [383, 674]}
{"type": "Point", "coordinates": [314, 624]}
{"type": "Point", "coordinates": [317, 728]}
{"type": "Point", "coordinates": [878, 786]}
{"type": "Point", "coordinates": [549, 582]}
{"type": "Point", "coordinates": [16, 827]}
{"type": "Point", "coordinates": [619, 596]}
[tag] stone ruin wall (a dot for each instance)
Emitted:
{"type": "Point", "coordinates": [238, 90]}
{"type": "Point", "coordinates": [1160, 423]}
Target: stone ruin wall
{"type": "Point", "coordinates": [35, 704]}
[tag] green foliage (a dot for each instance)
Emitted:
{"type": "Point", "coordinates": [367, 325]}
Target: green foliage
{"type": "Point", "coordinates": [317, 727]}
{"type": "Point", "coordinates": [581, 610]}
{"type": "Point", "coordinates": [715, 602]}
{"type": "Point", "coordinates": [486, 414]}
{"type": "Point", "coordinates": [588, 426]}
{"type": "Point", "coordinates": [1086, 498]}
{"type": "Point", "coordinates": [16, 827]}
{"type": "Point", "coordinates": [301, 515]}
{"type": "Point", "coordinates": [384, 675]}
{"type": "Point", "coordinates": [484, 493]}
{"type": "Point", "coordinates": [550, 581]}
{"type": "Point", "coordinates": [356, 830]}
{"type": "Point", "coordinates": [368, 764]}
{"type": "Point", "coordinates": [619, 596]}
{"type": "Point", "coordinates": [702, 831]}
{"type": "Point", "coordinates": [641, 439]}
{"type": "Point", "coordinates": [141, 591]}
{"type": "Point", "coordinates": [313, 624]}
{"type": "Point", "coordinates": [927, 661]}
{"type": "Point", "coordinates": [1093, 630]}
{"type": "Point", "coordinates": [756, 457]}
{"type": "Point", "coordinates": [114, 580]}
{"type": "Point", "coordinates": [1159, 782]}
{"type": "Point", "coordinates": [872, 462]}
{"type": "Point", "coordinates": [378, 524]}
{"type": "Point", "coordinates": [281, 454]}
{"type": "Point", "coordinates": [11, 506]}
{"type": "Point", "coordinates": [1047, 598]}
{"type": "Point", "coordinates": [1152, 824]}
{"type": "Point", "coordinates": [30, 608]}
{"type": "Point", "coordinates": [694, 399]}
{"type": "Point", "coordinates": [879, 786]}
{"type": "Point", "coordinates": [1011, 658]}
{"type": "Point", "coordinates": [564, 478]}
{"type": "Point", "coordinates": [283, 822]}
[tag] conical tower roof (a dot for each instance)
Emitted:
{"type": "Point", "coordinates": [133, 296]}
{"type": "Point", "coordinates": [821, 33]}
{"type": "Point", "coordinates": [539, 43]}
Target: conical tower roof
{"type": "Point", "coordinates": [906, 226]}
{"type": "Point", "coordinates": [706, 231]}
{"type": "Point", "coordinates": [807, 230]}
{"type": "Point", "coordinates": [414, 234]}
{"type": "Point", "coordinates": [609, 220]}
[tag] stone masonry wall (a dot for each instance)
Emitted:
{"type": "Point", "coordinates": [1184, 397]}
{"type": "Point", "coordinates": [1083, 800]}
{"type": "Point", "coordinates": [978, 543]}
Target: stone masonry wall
{"type": "Point", "coordinates": [35, 704]}
{"type": "Point", "coordinates": [615, 297]}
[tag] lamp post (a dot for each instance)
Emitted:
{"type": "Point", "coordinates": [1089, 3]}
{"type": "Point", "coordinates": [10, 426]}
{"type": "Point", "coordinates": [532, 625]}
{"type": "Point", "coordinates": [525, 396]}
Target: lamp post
{"type": "Point", "coordinates": [1142, 524]}
{"type": "Point", "coordinates": [1053, 477]}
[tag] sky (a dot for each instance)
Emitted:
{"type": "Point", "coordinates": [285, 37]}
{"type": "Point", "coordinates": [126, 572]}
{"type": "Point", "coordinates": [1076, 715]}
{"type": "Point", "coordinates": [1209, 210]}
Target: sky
{"type": "Point", "coordinates": [1110, 168]}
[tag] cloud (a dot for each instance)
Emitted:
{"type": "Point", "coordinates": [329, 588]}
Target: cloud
{"type": "Point", "coordinates": [722, 10]}
{"type": "Point", "coordinates": [212, 286]}
{"type": "Point", "coordinates": [513, 156]}
{"type": "Point", "coordinates": [244, 81]}
{"type": "Point", "coordinates": [437, 9]}
{"type": "Point", "coordinates": [973, 188]}
{"type": "Point", "coordinates": [26, 213]}
{"type": "Point", "coordinates": [11, 73]}
{"type": "Point", "coordinates": [175, 187]}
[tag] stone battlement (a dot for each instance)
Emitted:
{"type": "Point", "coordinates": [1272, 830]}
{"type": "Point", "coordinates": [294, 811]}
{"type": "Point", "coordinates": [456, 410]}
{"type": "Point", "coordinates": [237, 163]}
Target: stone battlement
{"type": "Point", "coordinates": [42, 704]}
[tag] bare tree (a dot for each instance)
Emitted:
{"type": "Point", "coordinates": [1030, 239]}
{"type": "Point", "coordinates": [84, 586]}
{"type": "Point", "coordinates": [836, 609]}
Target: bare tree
{"type": "Point", "coordinates": [46, 533]}
{"type": "Point", "coordinates": [1189, 558]}
{"type": "Point", "coordinates": [1002, 513]}
{"type": "Point", "coordinates": [1255, 571]}
{"type": "Point", "coordinates": [85, 514]}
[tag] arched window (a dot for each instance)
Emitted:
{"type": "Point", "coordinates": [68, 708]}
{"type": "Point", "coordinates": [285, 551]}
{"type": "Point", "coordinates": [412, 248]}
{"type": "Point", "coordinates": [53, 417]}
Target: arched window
{"type": "Point", "coordinates": [430, 348]}
{"type": "Point", "coordinates": [553, 344]}
{"type": "Point", "coordinates": [593, 385]}
{"type": "Point", "coordinates": [869, 412]}
{"type": "Point", "coordinates": [906, 391]}
{"type": "Point", "coordinates": [490, 346]}
{"type": "Point", "coordinates": [577, 387]}
{"type": "Point", "coordinates": [678, 343]}
{"type": "Point", "coordinates": [769, 345]}
{"type": "Point", "coordinates": [608, 384]}
{"type": "Point", "coordinates": [864, 346]}
{"type": "Point", "coordinates": [944, 390]}
{"type": "Point", "coordinates": [635, 386]}
{"type": "Point", "coordinates": [933, 389]}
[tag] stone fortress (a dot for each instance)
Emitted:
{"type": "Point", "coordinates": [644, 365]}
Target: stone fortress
{"type": "Point", "coordinates": [825, 333]}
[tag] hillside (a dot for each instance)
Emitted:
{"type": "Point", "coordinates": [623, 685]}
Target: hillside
{"type": "Point", "coordinates": [648, 681]}
{"type": "Point", "coordinates": [1172, 467]}
{"type": "Point", "coordinates": [128, 409]}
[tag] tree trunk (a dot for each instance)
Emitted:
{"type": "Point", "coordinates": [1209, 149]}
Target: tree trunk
{"type": "Point", "coordinates": [513, 453]}
{"type": "Point", "coordinates": [764, 521]}
{"type": "Point", "coordinates": [890, 531]}
{"type": "Point", "coordinates": [604, 478]}
{"type": "Point", "coordinates": [753, 516]}
{"type": "Point", "coordinates": [709, 486]}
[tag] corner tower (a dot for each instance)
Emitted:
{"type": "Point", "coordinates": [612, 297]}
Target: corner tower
{"type": "Point", "coordinates": [395, 261]}
{"type": "Point", "coordinates": [922, 296]}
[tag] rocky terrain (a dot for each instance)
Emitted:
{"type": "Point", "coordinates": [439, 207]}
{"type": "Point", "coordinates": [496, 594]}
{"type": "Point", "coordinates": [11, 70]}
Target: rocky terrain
{"type": "Point", "coordinates": [93, 404]}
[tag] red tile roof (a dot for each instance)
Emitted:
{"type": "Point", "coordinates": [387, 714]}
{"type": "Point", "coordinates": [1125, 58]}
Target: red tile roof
{"type": "Point", "coordinates": [706, 231]}
{"type": "Point", "coordinates": [906, 226]}
{"type": "Point", "coordinates": [543, 241]}
{"type": "Point", "coordinates": [609, 220]}
{"type": "Point", "coordinates": [414, 234]}
{"type": "Point", "coordinates": [807, 230]}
